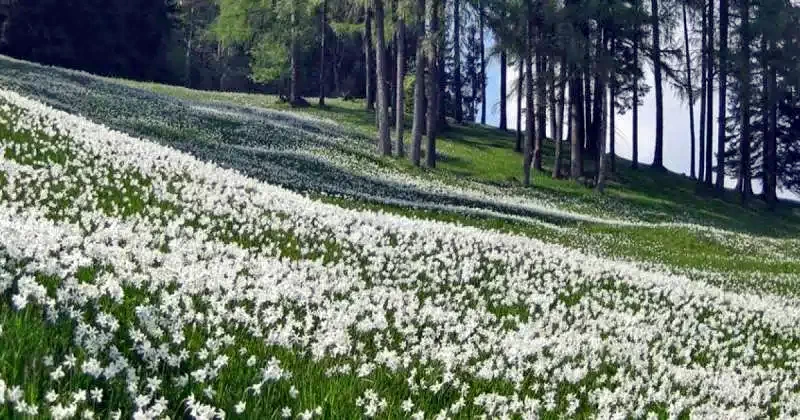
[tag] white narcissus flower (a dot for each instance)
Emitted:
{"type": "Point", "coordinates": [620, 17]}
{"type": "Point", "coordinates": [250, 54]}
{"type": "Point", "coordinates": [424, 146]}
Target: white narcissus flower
{"type": "Point", "coordinates": [372, 292]}
{"type": "Point", "coordinates": [240, 407]}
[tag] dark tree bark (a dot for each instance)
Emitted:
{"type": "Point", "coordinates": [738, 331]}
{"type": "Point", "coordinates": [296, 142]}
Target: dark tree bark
{"type": "Point", "coordinates": [710, 94]}
{"type": "Point", "coordinates": [483, 62]}
{"type": "Point", "coordinates": [441, 103]}
{"type": "Point", "coordinates": [189, 46]}
{"type": "Point", "coordinates": [433, 82]}
{"type": "Point", "coordinates": [384, 136]}
{"type": "Point", "coordinates": [658, 158]}
{"type": "Point", "coordinates": [635, 110]}
{"type": "Point", "coordinates": [503, 114]}
{"type": "Point", "coordinates": [529, 92]}
{"type": "Point", "coordinates": [744, 97]}
{"type": "Point", "coordinates": [559, 136]}
{"type": "Point", "coordinates": [723, 90]}
{"type": "Point", "coordinates": [603, 69]}
{"type": "Point", "coordinates": [551, 100]}
{"type": "Point", "coordinates": [770, 143]}
{"type": "Point", "coordinates": [541, 109]}
{"type": "Point", "coordinates": [520, 81]}
{"type": "Point", "coordinates": [588, 132]}
{"type": "Point", "coordinates": [399, 105]}
{"type": "Point", "coordinates": [577, 126]}
{"type": "Point", "coordinates": [368, 57]}
{"type": "Point", "coordinates": [703, 69]}
{"type": "Point", "coordinates": [294, 96]}
{"type": "Point", "coordinates": [612, 87]}
{"type": "Point", "coordinates": [459, 111]}
{"type": "Point", "coordinates": [323, 32]}
{"type": "Point", "coordinates": [597, 111]}
{"type": "Point", "coordinates": [689, 88]}
{"type": "Point", "coordinates": [419, 87]}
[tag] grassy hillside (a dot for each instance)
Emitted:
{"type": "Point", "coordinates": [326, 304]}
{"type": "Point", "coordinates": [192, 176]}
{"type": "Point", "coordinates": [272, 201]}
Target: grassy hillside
{"type": "Point", "coordinates": [173, 253]}
{"type": "Point", "coordinates": [486, 154]}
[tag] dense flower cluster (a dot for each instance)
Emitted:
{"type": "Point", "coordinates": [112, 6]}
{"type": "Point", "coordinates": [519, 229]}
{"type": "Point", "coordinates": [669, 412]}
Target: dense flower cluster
{"type": "Point", "coordinates": [164, 263]}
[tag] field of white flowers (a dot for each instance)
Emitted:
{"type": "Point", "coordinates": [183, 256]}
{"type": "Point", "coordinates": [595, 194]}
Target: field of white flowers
{"type": "Point", "coordinates": [176, 276]}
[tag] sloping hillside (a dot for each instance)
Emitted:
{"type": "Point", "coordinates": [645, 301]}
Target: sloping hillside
{"type": "Point", "coordinates": [196, 254]}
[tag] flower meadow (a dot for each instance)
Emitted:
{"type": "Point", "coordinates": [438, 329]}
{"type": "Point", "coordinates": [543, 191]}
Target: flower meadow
{"type": "Point", "coordinates": [141, 281]}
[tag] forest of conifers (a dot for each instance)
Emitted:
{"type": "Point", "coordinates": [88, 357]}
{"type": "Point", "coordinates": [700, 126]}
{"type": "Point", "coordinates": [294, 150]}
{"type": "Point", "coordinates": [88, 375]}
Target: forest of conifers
{"type": "Point", "coordinates": [577, 64]}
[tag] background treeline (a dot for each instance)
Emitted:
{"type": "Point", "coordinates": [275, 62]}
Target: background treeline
{"type": "Point", "coordinates": [579, 63]}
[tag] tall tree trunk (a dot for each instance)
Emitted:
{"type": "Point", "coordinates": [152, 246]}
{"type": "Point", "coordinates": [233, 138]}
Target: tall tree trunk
{"type": "Point", "coordinates": [597, 102]}
{"type": "Point", "coordinates": [597, 107]}
{"type": "Point", "coordinates": [433, 81]}
{"type": "Point", "coordinates": [602, 167]}
{"type": "Point", "coordinates": [294, 98]}
{"type": "Point", "coordinates": [368, 57]}
{"type": "Point", "coordinates": [703, 69]}
{"type": "Point", "coordinates": [541, 108]}
{"type": "Point", "coordinates": [770, 142]}
{"type": "Point", "coordinates": [635, 116]}
{"type": "Point", "coordinates": [559, 136]}
{"type": "Point", "coordinates": [658, 158]}
{"type": "Point", "coordinates": [612, 86]}
{"type": "Point", "coordinates": [503, 114]}
{"type": "Point", "coordinates": [481, 19]}
{"type": "Point", "coordinates": [520, 81]}
{"type": "Point", "coordinates": [529, 92]}
{"type": "Point", "coordinates": [384, 137]}
{"type": "Point", "coordinates": [710, 95]}
{"type": "Point", "coordinates": [588, 132]}
{"type": "Point", "coordinates": [689, 88]}
{"type": "Point", "coordinates": [323, 32]}
{"type": "Point", "coordinates": [744, 81]}
{"type": "Point", "coordinates": [189, 47]}
{"type": "Point", "coordinates": [551, 100]}
{"type": "Point", "coordinates": [399, 104]}
{"type": "Point", "coordinates": [577, 128]}
{"type": "Point", "coordinates": [765, 115]}
{"type": "Point", "coordinates": [723, 90]}
{"type": "Point", "coordinates": [459, 111]}
{"type": "Point", "coordinates": [441, 103]}
{"type": "Point", "coordinates": [603, 69]}
{"type": "Point", "coordinates": [419, 87]}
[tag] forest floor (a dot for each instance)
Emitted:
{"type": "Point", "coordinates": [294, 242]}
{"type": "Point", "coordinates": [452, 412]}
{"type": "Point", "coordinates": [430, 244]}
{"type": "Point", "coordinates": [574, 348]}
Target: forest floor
{"type": "Point", "coordinates": [170, 251]}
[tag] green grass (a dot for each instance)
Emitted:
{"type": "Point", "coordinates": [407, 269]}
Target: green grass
{"type": "Point", "coordinates": [486, 154]}
{"type": "Point", "coordinates": [478, 153]}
